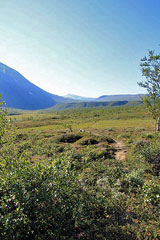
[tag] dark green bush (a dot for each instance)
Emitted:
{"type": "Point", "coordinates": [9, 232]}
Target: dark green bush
{"type": "Point", "coordinates": [107, 139]}
{"type": "Point", "coordinates": [68, 138]}
{"type": "Point", "coordinates": [88, 141]}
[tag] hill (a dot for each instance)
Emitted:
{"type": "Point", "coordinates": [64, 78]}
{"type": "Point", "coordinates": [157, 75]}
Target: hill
{"type": "Point", "coordinates": [122, 97]}
{"type": "Point", "coordinates": [65, 106]}
{"type": "Point", "coordinates": [79, 98]}
{"type": "Point", "coordinates": [107, 98]}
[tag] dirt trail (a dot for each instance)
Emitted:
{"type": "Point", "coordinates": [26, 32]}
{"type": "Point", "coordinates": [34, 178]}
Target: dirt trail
{"type": "Point", "coordinates": [121, 150]}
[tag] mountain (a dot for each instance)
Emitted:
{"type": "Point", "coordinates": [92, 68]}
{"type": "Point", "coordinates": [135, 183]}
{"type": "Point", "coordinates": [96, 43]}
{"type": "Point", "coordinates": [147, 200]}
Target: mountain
{"type": "Point", "coordinates": [122, 97]}
{"type": "Point", "coordinates": [79, 98]}
{"type": "Point", "coordinates": [20, 93]}
{"type": "Point", "coordinates": [107, 98]}
{"type": "Point", "coordinates": [60, 99]}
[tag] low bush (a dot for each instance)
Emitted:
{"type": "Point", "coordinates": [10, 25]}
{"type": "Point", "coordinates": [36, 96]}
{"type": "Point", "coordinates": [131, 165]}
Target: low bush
{"type": "Point", "coordinates": [68, 138]}
{"type": "Point", "coordinates": [107, 139]}
{"type": "Point", "coordinates": [88, 141]}
{"type": "Point", "coordinates": [133, 182]}
{"type": "Point", "coordinates": [151, 191]}
{"type": "Point", "coordinates": [148, 135]}
{"type": "Point", "coordinates": [21, 136]}
{"type": "Point", "coordinates": [151, 153]}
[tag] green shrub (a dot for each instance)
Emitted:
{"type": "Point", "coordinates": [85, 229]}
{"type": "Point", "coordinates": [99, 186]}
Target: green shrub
{"type": "Point", "coordinates": [139, 145]}
{"type": "Point", "coordinates": [68, 138]}
{"type": "Point", "coordinates": [107, 139]}
{"type": "Point", "coordinates": [26, 145]}
{"type": "Point", "coordinates": [151, 153]}
{"type": "Point", "coordinates": [125, 135]}
{"type": "Point", "coordinates": [88, 141]}
{"type": "Point", "coordinates": [132, 181]}
{"type": "Point", "coordinates": [151, 193]}
{"type": "Point", "coordinates": [149, 135]}
{"type": "Point", "coordinates": [37, 202]}
{"type": "Point", "coordinates": [21, 136]}
{"type": "Point", "coordinates": [47, 201]}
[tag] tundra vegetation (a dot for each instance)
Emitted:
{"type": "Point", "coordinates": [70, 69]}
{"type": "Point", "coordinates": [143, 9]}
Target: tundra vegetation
{"type": "Point", "coordinates": [61, 184]}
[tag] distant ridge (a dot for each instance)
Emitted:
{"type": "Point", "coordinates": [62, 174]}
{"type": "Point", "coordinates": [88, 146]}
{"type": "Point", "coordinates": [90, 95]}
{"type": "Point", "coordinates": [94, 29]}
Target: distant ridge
{"type": "Point", "coordinates": [108, 98]}
{"type": "Point", "coordinates": [120, 97]}
{"type": "Point", "coordinates": [79, 98]}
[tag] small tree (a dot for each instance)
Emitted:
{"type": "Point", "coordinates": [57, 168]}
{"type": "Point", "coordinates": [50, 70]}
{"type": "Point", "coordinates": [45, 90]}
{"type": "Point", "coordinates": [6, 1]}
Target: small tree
{"type": "Point", "coordinates": [150, 67]}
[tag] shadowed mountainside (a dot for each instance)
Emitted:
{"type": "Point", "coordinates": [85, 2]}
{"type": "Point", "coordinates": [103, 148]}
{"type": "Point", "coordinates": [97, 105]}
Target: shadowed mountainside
{"type": "Point", "coordinates": [20, 93]}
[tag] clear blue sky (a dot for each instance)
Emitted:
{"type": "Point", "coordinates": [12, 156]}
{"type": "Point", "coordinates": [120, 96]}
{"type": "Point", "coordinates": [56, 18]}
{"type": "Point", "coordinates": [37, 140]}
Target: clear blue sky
{"type": "Point", "coordinates": [83, 47]}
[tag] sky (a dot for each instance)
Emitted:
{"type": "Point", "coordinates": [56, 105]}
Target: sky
{"type": "Point", "coordinates": [83, 47]}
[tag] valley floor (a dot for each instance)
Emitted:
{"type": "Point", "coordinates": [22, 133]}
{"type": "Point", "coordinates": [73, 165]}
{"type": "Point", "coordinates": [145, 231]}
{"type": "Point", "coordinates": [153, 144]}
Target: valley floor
{"type": "Point", "coordinates": [80, 174]}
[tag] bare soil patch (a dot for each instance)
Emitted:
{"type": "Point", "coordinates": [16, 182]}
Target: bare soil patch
{"type": "Point", "coordinates": [121, 150]}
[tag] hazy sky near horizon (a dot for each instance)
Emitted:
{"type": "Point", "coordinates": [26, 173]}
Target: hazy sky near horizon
{"type": "Point", "coordinates": [83, 47]}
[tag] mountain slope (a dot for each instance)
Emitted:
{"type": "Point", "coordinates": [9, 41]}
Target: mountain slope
{"type": "Point", "coordinates": [60, 99]}
{"type": "Point", "coordinates": [79, 98]}
{"type": "Point", "coordinates": [20, 93]}
{"type": "Point", "coordinates": [108, 98]}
